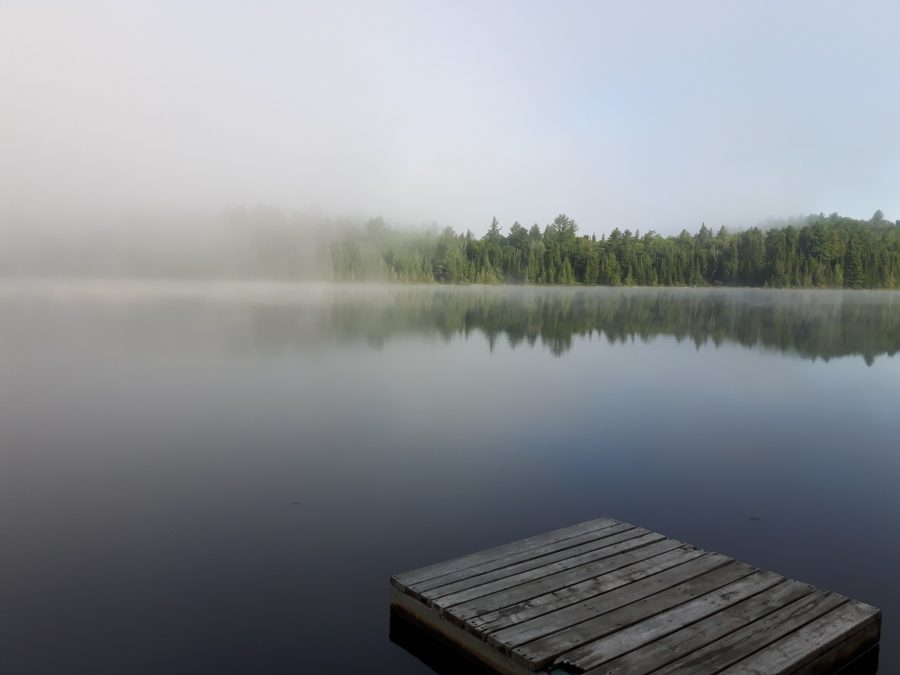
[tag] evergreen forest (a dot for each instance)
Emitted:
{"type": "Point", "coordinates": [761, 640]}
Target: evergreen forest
{"type": "Point", "coordinates": [817, 252]}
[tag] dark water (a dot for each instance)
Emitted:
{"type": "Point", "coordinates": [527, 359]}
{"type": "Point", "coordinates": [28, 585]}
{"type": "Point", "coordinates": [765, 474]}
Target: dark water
{"type": "Point", "coordinates": [220, 479]}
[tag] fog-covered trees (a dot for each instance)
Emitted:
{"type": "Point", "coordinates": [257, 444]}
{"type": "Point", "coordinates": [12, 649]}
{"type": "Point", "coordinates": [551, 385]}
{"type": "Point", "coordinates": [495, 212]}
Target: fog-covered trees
{"type": "Point", "coordinates": [822, 251]}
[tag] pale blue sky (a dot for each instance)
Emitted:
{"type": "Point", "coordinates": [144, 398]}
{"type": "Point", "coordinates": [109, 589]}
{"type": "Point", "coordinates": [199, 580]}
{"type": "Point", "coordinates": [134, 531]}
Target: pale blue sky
{"type": "Point", "coordinates": [643, 115]}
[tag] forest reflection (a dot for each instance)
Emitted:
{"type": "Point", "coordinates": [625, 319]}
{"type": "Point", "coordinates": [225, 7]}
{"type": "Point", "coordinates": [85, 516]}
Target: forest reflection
{"type": "Point", "coordinates": [809, 324]}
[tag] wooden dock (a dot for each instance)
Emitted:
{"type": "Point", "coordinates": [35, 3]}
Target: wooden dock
{"type": "Point", "coordinates": [608, 597]}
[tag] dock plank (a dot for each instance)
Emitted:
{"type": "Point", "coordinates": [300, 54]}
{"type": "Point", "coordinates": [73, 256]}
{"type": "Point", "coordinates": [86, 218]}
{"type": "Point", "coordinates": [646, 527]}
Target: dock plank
{"type": "Point", "coordinates": [543, 651]}
{"type": "Point", "coordinates": [663, 651]}
{"type": "Point", "coordinates": [559, 620]}
{"type": "Point", "coordinates": [605, 649]}
{"type": "Point", "coordinates": [605, 597]}
{"type": "Point", "coordinates": [578, 592]}
{"type": "Point", "coordinates": [503, 583]}
{"type": "Point", "coordinates": [742, 643]}
{"type": "Point", "coordinates": [584, 552]}
{"type": "Point", "coordinates": [521, 556]}
{"type": "Point", "coordinates": [851, 622]}
{"type": "Point", "coordinates": [405, 579]}
{"type": "Point", "coordinates": [553, 582]}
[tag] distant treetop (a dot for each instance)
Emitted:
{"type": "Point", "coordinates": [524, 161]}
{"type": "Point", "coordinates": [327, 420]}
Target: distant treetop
{"type": "Point", "coordinates": [818, 252]}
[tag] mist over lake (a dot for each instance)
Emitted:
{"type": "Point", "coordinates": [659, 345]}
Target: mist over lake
{"type": "Point", "coordinates": [203, 477]}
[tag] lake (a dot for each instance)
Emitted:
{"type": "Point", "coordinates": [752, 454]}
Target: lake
{"type": "Point", "coordinates": [220, 478]}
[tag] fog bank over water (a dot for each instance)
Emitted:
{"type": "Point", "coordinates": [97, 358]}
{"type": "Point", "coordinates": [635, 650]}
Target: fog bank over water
{"type": "Point", "coordinates": [651, 115]}
{"type": "Point", "coordinates": [261, 242]}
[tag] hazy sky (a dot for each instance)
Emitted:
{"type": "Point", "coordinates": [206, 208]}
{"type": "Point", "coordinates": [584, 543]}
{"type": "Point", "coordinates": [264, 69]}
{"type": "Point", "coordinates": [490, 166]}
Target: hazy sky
{"type": "Point", "coordinates": [643, 115]}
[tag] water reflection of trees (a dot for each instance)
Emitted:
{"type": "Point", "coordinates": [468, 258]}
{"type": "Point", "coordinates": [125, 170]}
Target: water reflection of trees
{"type": "Point", "coordinates": [815, 324]}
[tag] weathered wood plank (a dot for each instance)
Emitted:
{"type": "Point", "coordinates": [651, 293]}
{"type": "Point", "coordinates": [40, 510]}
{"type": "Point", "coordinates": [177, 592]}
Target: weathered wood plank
{"type": "Point", "coordinates": [462, 612]}
{"type": "Point", "coordinates": [663, 651]}
{"type": "Point", "coordinates": [607, 648]}
{"type": "Point", "coordinates": [545, 570]}
{"type": "Point", "coordinates": [582, 541]}
{"type": "Point", "coordinates": [608, 598]}
{"type": "Point", "coordinates": [578, 553]}
{"type": "Point", "coordinates": [584, 590]}
{"type": "Point", "coordinates": [520, 633]}
{"type": "Point", "coordinates": [754, 637]}
{"type": "Point", "coordinates": [854, 624]}
{"type": "Point", "coordinates": [414, 610]}
{"type": "Point", "coordinates": [544, 651]}
{"type": "Point", "coordinates": [405, 579]}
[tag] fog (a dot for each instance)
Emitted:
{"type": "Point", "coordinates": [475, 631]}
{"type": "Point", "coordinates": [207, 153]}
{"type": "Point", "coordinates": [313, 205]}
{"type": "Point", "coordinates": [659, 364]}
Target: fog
{"type": "Point", "coordinates": [143, 117]}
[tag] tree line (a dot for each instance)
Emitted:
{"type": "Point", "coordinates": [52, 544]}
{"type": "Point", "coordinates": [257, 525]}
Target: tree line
{"type": "Point", "coordinates": [817, 252]}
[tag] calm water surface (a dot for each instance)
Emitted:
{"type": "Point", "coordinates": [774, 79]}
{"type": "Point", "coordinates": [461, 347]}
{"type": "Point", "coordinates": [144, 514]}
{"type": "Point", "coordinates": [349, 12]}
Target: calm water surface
{"type": "Point", "coordinates": [220, 478]}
